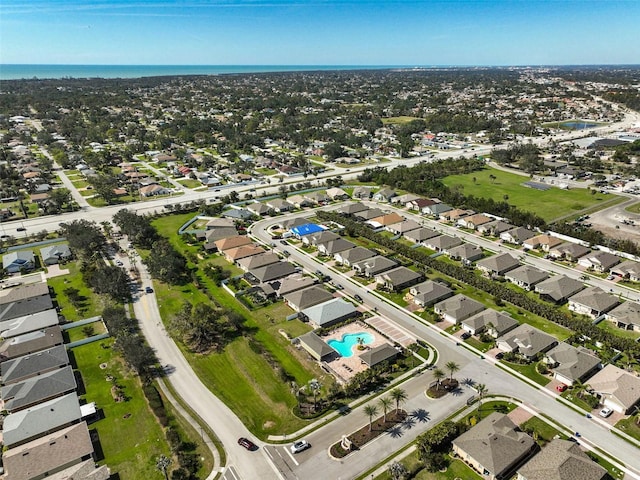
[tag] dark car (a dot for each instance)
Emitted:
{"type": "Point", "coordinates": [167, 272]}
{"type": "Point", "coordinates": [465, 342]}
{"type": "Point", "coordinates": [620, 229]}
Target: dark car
{"type": "Point", "coordinates": [358, 298]}
{"type": "Point", "coordinates": [248, 444]}
{"type": "Point", "coordinates": [21, 229]}
{"type": "Point", "coordinates": [148, 290]}
{"type": "Point", "coordinates": [465, 335]}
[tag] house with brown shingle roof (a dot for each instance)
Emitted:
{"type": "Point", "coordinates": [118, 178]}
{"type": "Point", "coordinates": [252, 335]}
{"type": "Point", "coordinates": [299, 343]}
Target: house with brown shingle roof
{"type": "Point", "coordinates": [385, 220]}
{"type": "Point", "coordinates": [232, 242]}
{"type": "Point", "coordinates": [616, 388]}
{"type": "Point", "coordinates": [474, 221]}
{"type": "Point", "coordinates": [570, 364]}
{"type": "Point", "coordinates": [234, 254]}
{"type": "Point", "coordinates": [543, 242]}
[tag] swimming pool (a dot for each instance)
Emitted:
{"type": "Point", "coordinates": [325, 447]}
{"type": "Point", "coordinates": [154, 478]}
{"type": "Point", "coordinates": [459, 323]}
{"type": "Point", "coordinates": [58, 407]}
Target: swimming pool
{"type": "Point", "coordinates": [345, 346]}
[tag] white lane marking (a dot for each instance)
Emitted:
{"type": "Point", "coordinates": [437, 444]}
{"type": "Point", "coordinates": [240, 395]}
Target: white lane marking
{"type": "Point", "coordinates": [291, 455]}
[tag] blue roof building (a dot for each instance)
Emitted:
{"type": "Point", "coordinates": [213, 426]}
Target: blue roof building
{"type": "Point", "coordinates": [306, 229]}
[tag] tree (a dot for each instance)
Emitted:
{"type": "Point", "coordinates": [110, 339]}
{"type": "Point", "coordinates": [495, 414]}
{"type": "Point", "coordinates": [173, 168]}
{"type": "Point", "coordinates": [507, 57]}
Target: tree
{"type": "Point", "coordinates": [104, 186]}
{"type": "Point", "coordinates": [85, 238]}
{"type": "Point", "coordinates": [397, 471]}
{"type": "Point", "coordinates": [165, 263]}
{"type": "Point", "coordinates": [371, 411]}
{"type": "Point", "coordinates": [162, 464]}
{"type": "Point", "coordinates": [453, 367]}
{"type": "Point", "coordinates": [315, 386]}
{"type": "Point", "coordinates": [385, 404]}
{"type": "Point", "coordinates": [481, 388]}
{"type": "Point", "coordinates": [58, 197]}
{"type": "Point", "coordinates": [438, 374]}
{"type": "Point", "coordinates": [399, 396]}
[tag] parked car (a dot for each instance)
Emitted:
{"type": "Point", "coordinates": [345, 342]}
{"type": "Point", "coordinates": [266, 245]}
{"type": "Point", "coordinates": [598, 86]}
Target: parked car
{"type": "Point", "coordinates": [248, 444]}
{"type": "Point", "coordinates": [119, 263]}
{"type": "Point", "coordinates": [561, 388]}
{"type": "Point", "coordinates": [148, 290]}
{"type": "Point", "coordinates": [300, 446]}
{"type": "Point", "coordinates": [605, 412]}
{"type": "Point", "coordinates": [465, 335]}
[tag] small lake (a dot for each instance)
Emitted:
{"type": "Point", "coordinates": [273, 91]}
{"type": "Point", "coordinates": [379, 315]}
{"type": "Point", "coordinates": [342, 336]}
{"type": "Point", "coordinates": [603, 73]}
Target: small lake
{"type": "Point", "coordinates": [575, 125]}
{"type": "Point", "coordinates": [345, 346]}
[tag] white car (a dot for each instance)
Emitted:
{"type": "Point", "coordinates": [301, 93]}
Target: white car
{"type": "Point", "coordinates": [605, 412]}
{"type": "Point", "coordinates": [300, 446]}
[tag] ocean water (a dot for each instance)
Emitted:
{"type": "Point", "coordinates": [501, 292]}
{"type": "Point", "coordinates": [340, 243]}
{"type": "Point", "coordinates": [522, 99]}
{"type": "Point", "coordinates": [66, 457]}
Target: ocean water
{"type": "Point", "coordinates": [16, 72]}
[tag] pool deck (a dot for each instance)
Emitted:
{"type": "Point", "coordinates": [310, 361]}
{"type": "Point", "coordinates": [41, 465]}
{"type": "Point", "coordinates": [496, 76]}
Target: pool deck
{"type": "Point", "coordinates": [347, 367]}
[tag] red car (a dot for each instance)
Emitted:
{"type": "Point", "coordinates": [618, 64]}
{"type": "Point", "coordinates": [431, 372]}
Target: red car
{"type": "Point", "coordinates": [561, 388]}
{"type": "Point", "coordinates": [248, 444]}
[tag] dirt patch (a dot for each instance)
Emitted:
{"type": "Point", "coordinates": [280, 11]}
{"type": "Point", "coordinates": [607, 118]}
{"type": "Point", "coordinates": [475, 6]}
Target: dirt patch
{"type": "Point", "coordinates": [268, 425]}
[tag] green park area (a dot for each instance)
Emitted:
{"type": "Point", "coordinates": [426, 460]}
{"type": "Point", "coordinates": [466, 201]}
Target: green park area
{"type": "Point", "coordinates": [398, 120]}
{"type": "Point", "coordinates": [550, 204]}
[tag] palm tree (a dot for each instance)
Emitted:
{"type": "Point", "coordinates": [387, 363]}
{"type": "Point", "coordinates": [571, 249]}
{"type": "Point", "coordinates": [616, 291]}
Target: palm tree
{"type": "Point", "coordinates": [438, 374]}
{"type": "Point", "coordinates": [385, 404]}
{"type": "Point", "coordinates": [397, 471]}
{"type": "Point", "coordinates": [453, 367]}
{"type": "Point", "coordinates": [162, 464]}
{"type": "Point", "coordinates": [315, 387]}
{"type": "Point", "coordinates": [398, 395]}
{"type": "Point", "coordinates": [481, 388]}
{"type": "Point", "coordinates": [372, 411]}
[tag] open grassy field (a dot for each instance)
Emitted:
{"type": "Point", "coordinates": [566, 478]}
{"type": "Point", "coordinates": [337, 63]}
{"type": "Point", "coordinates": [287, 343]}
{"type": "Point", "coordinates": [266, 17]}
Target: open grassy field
{"type": "Point", "coordinates": [398, 120]}
{"type": "Point", "coordinates": [550, 204]}
{"type": "Point", "coordinates": [90, 304]}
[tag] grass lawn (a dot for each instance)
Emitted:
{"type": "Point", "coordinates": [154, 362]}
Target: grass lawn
{"type": "Point", "coordinates": [630, 426]}
{"type": "Point", "coordinates": [76, 333]}
{"type": "Point", "coordinates": [189, 183]}
{"type": "Point", "coordinates": [130, 445]}
{"type": "Point", "coordinates": [90, 305]}
{"type": "Point", "coordinates": [610, 327]}
{"type": "Point", "coordinates": [635, 208]}
{"type": "Point", "coordinates": [544, 431]}
{"type": "Point", "coordinates": [549, 204]}
{"type": "Point", "coordinates": [398, 120]}
{"type": "Point", "coordinates": [529, 371]}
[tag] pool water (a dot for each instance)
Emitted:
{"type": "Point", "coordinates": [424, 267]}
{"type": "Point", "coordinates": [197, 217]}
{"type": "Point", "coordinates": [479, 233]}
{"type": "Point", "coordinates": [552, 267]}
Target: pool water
{"type": "Point", "coordinates": [345, 346]}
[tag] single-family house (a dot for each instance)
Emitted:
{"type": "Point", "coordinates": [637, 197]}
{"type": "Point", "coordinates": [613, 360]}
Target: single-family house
{"type": "Point", "coordinates": [429, 293]}
{"type": "Point", "coordinates": [527, 341]}
{"type": "Point", "coordinates": [385, 220]}
{"type": "Point", "coordinates": [329, 313]}
{"type": "Point", "coordinates": [473, 221]}
{"type": "Point", "coordinates": [294, 222]}
{"type": "Point", "coordinates": [436, 209]}
{"type": "Point", "coordinates": [368, 214]}
{"type": "Point", "coordinates": [332, 247]}
{"type": "Point", "coordinates": [384, 195]}
{"type": "Point", "coordinates": [54, 254]}
{"type": "Point", "coordinates": [27, 366]}
{"type": "Point", "coordinates": [569, 251]}
{"type": "Point", "coordinates": [543, 242]}
{"type": "Point", "coordinates": [258, 208]}
{"type": "Point", "coordinates": [23, 307]}
{"type": "Point", "coordinates": [308, 297]}
{"type": "Point", "coordinates": [321, 236]}
{"type": "Point", "coordinates": [498, 264]}
{"type": "Point", "coordinates": [361, 192]}
{"type": "Point", "coordinates": [28, 323]}
{"type": "Point", "coordinates": [494, 228]}
{"type": "Point", "coordinates": [516, 235]}
{"type": "Point", "coordinates": [317, 348]}
{"type": "Point", "coordinates": [379, 354]}
{"type": "Point", "coordinates": [272, 272]}
{"type": "Point", "coordinates": [626, 316]}
{"type": "Point", "coordinates": [38, 389]}
{"type": "Point", "coordinates": [420, 203]}
{"type": "Point", "coordinates": [374, 266]}
{"type": "Point", "coordinates": [291, 283]}
{"type": "Point", "coordinates": [279, 205]}
{"type": "Point", "coordinates": [458, 308]}
{"type": "Point", "coordinates": [299, 201]}
{"type": "Point", "coordinates": [24, 292]}
{"type": "Point", "coordinates": [30, 343]}
{"type": "Point", "coordinates": [526, 276]}
{"type": "Point", "coordinates": [153, 190]}
{"type": "Point", "coordinates": [628, 269]}
{"type": "Point", "coordinates": [352, 208]}
{"type": "Point", "coordinates": [318, 198]}
{"type": "Point", "coordinates": [405, 199]}
{"type": "Point", "coordinates": [466, 252]}
{"type": "Point", "coordinates": [353, 255]}
{"type": "Point", "coordinates": [561, 460]}
{"type": "Point", "coordinates": [403, 227]}
{"type": "Point", "coordinates": [491, 321]}
{"type": "Point", "coordinates": [238, 214]}
{"type": "Point", "coordinates": [570, 364]}
{"type": "Point", "coordinates": [19, 260]}
{"type": "Point", "coordinates": [442, 243]}
{"type": "Point", "coordinates": [617, 389]}
{"type": "Point", "coordinates": [212, 236]}
{"type": "Point", "coordinates": [336, 193]}
{"type": "Point", "coordinates": [307, 229]}
{"type": "Point", "coordinates": [494, 447]}
{"type": "Point", "coordinates": [398, 278]}
{"type": "Point", "coordinates": [230, 243]}
{"type": "Point", "coordinates": [456, 214]}
{"type": "Point", "coordinates": [234, 254]}
{"type": "Point", "coordinates": [257, 261]}
{"type": "Point", "coordinates": [592, 302]}
{"type": "Point", "coordinates": [420, 235]}
{"type": "Point", "coordinates": [558, 288]}
{"type": "Point", "coordinates": [599, 261]}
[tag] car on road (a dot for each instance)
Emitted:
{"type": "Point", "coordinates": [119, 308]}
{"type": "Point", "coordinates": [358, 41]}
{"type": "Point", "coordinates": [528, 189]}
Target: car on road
{"type": "Point", "coordinates": [119, 263]}
{"type": "Point", "coordinates": [21, 229]}
{"type": "Point", "coordinates": [561, 388]}
{"type": "Point", "coordinates": [605, 412]}
{"type": "Point", "coordinates": [300, 446]}
{"type": "Point", "coordinates": [358, 298]}
{"type": "Point", "coordinates": [148, 290]}
{"type": "Point", "coordinates": [248, 444]}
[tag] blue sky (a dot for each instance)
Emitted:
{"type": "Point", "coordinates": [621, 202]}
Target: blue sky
{"type": "Point", "coordinates": [320, 32]}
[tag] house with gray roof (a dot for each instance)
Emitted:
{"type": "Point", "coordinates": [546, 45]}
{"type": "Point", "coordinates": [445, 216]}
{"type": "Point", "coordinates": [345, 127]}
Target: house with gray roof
{"type": "Point", "coordinates": [23, 292]}
{"type": "Point", "coordinates": [429, 293]}
{"type": "Point", "coordinates": [28, 306]}
{"type": "Point", "coordinates": [38, 363]}
{"type": "Point", "coordinates": [625, 316]}
{"type": "Point", "coordinates": [526, 276]}
{"type": "Point", "coordinates": [308, 297]}
{"type": "Point", "coordinates": [28, 323]}
{"type": "Point", "coordinates": [458, 308]}
{"type": "Point", "coordinates": [353, 255]}
{"type": "Point", "coordinates": [384, 195]}
{"type": "Point", "coordinates": [33, 422]}
{"type": "Point", "coordinates": [436, 209]}
{"type": "Point", "coordinates": [336, 193]}
{"type": "Point", "coordinates": [561, 460]}
{"type": "Point", "coordinates": [238, 214]}
{"type": "Point", "coordinates": [592, 302]}
{"type": "Point", "coordinates": [328, 313]}
{"type": "Point", "coordinates": [218, 222]}
{"type": "Point", "coordinates": [403, 227]}
{"type": "Point", "coordinates": [365, 215]}
{"type": "Point", "coordinates": [527, 341]}
{"type": "Point", "coordinates": [517, 235]}
{"type": "Point", "coordinates": [491, 321]}
{"type": "Point", "coordinates": [279, 205]}
{"type": "Point", "coordinates": [570, 364]}
{"type": "Point", "coordinates": [61, 455]}
{"type": "Point", "coordinates": [19, 260]}
{"type": "Point", "coordinates": [374, 266]}
{"type": "Point", "coordinates": [38, 389]}
{"type": "Point", "coordinates": [273, 271]}
{"type": "Point", "coordinates": [405, 199]}
{"type": "Point", "coordinates": [421, 234]}
{"type": "Point", "coordinates": [379, 354]}
{"type": "Point", "coordinates": [494, 447]}
{"type": "Point", "coordinates": [558, 288]}
{"type": "Point", "coordinates": [285, 285]}
{"type": "Point", "coordinates": [54, 254]}
{"type": "Point", "coordinates": [473, 221]}
{"type": "Point", "coordinates": [30, 343]}
{"type": "Point", "coordinates": [498, 264]}
{"type": "Point", "coordinates": [599, 261]}
{"type": "Point", "coordinates": [495, 228]}
{"type": "Point", "coordinates": [317, 348]}
{"type": "Point", "coordinates": [259, 209]}
{"type": "Point", "coordinates": [318, 197]}
{"type": "Point", "coordinates": [627, 269]}
{"type": "Point", "coordinates": [352, 208]}
{"type": "Point", "coordinates": [332, 247]}
{"type": "Point", "coordinates": [442, 243]}
{"type": "Point", "coordinates": [569, 251]}
{"type": "Point", "coordinates": [617, 389]}
{"type": "Point", "coordinates": [320, 237]}
{"type": "Point", "coordinates": [361, 192]}
{"type": "Point", "coordinates": [398, 278]}
{"type": "Point", "coordinates": [294, 222]}
{"type": "Point", "coordinates": [466, 252]}
{"type": "Point", "coordinates": [212, 236]}
{"type": "Point", "coordinates": [257, 261]}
